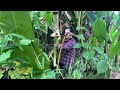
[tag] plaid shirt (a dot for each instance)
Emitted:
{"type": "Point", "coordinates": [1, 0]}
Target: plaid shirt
{"type": "Point", "coordinates": [68, 52]}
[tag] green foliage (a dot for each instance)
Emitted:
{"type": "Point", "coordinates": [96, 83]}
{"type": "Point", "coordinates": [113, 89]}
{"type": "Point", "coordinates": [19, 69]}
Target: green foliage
{"type": "Point", "coordinates": [1, 73]}
{"type": "Point", "coordinates": [114, 50]}
{"type": "Point", "coordinates": [80, 36]}
{"type": "Point", "coordinates": [91, 16]}
{"type": "Point", "coordinates": [16, 74]}
{"type": "Point", "coordinates": [48, 16]}
{"type": "Point", "coordinates": [17, 35]}
{"type": "Point", "coordinates": [19, 24]}
{"type": "Point", "coordinates": [5, 55]}
{"type": "Point", "coordinates": [88, 55]}
{"type": "Point", "coordinates": [25, 41]}
{"type": "Point", "coordinates": [99, 29]}
{"type": "Point", "coordinates": [4, 41]}
{"type": "Point", "coordinates": [48, 75]}
{"type": "Point", "coordinates": [77, 74]}
{"type": "Point", "coordinates": [80, 28]}
{"type": "Point", "coordinates": [99, 50]}
{"type": "Point", "coordinates": [113, 34]}
{"type": "Point", "coordinates": [20, 53]}
{"type": "Point", "coordinates": [118, 22]}
{"type": "Point", "coordinates": [37, 18]}
{"type": "Point", "coordinates": [85, 45]}
{"type": "Point", "coordinates": [102, 67]}
{"type": "Point", "coordinates": [77, 45]}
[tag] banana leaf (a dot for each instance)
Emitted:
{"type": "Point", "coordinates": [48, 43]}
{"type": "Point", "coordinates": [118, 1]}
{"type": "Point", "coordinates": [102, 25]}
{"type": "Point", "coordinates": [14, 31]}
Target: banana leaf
{"type": "Point", "coordinates": [19, 22]}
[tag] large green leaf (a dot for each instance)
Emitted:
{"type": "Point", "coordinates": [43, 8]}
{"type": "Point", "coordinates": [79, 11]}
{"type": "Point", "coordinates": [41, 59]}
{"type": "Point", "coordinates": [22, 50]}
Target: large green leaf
{"type": "Point", "coordinates": [118, 22]}
{"type": "Point", "coordinates": [114, 50]}
{"type": "Point", "coordinates": [42, 54]}
{"type": "Point", "coordinates": [99, 50]}
{"type": "Point", "coordinates": [88, 55]}
{"type": "Point", "coordinates": [99, 29]}
{"type": "Point", "coordinates": [85, 45]}
{"type": "Point", "coordinates": [113, 34]}
{"type": "Point", "coordinates": [19, 22]}
{"type": "Point", "coordinates": [17, 35]}
{"type": "Point", "coordinates": [102, 67]}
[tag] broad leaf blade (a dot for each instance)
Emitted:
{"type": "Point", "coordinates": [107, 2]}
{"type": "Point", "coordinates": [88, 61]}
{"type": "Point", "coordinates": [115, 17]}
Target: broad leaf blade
{"type": "Point", "coordinates": [85, 45]}
{"type": "Point", "coordinates": [88, 55]}
{"type": "Point", "coordinates": [5, 56]}
{"type": "Point", "coordinates": [99, 29]}
{"type": "Point", "coordinates": [114, 50]}
{"type": "Point", "coordinates": [12, 19]}
{"type": "Point", "coordinates": [17, 35]}
{"type": "Point", "coordinates": [102, 67]}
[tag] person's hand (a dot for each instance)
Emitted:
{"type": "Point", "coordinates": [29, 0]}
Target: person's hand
{"type": "Point", "coordinates": [57, 45]}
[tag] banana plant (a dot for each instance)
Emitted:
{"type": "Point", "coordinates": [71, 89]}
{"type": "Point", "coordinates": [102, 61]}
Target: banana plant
{"type": "Point", "coordinates": [114, 35]}
{"type": "Point", "coordinates": [57, 37]}
{"type": "Point", "coordinates": [19, 22]}
{"type": "Point", "coordinates": [106, 28]}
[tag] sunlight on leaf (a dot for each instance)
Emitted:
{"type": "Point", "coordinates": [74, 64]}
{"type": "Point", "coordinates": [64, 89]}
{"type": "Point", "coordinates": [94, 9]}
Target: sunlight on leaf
{"type": "Point", "coordinates": [25, 41]}
{"type": "Point", "coordinates": [4, 56]}
{"type": "Point", "coordinates": [1, 73]}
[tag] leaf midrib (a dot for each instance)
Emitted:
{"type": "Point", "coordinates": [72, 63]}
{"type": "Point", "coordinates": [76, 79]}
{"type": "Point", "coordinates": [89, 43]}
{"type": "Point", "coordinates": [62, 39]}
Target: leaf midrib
{"type": "Point", "coordinates": [14, 18]}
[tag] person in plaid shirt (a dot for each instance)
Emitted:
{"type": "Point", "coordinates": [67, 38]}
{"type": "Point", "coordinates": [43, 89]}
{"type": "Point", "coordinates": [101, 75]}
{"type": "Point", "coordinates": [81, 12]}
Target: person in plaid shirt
{"type": "Point", "coordinates": [68, 52]}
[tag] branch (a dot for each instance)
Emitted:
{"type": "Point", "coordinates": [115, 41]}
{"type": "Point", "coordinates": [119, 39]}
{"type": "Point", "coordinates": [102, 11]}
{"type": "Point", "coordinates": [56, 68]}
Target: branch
{"type": "Point", "coordinates": [68, 16]}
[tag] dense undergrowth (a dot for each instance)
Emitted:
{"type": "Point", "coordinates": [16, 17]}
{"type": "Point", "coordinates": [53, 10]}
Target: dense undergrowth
{"type": "Point", "coordinates": [27, 44]}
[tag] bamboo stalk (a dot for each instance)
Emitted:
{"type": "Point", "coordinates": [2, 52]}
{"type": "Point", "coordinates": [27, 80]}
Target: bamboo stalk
{"type": "Point", "coordinates": [81, 26]}
{"type": "Point", "coordinates": [61, 49]}
{"type": "Point", "coordinates": [56, 37]}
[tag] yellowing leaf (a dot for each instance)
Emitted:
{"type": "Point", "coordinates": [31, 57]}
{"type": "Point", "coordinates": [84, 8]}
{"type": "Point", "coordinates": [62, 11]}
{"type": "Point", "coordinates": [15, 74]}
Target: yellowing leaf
{"type": "Point", "coordinates": [13, 74]}
{"type": "Point", "coordinates": [24, 71]}
{"type": "Point", "coordinates": [16, 63]}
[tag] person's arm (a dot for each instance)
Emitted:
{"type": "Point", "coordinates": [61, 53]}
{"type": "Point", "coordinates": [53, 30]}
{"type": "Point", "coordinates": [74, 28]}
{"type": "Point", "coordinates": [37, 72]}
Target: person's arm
{"type": "Point", "coordinates": [69, 44]}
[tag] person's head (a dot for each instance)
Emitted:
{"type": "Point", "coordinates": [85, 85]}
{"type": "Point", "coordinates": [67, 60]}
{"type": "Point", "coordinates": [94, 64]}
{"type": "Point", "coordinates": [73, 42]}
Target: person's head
{"type": "Point", "coordinates": [68, 34]}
